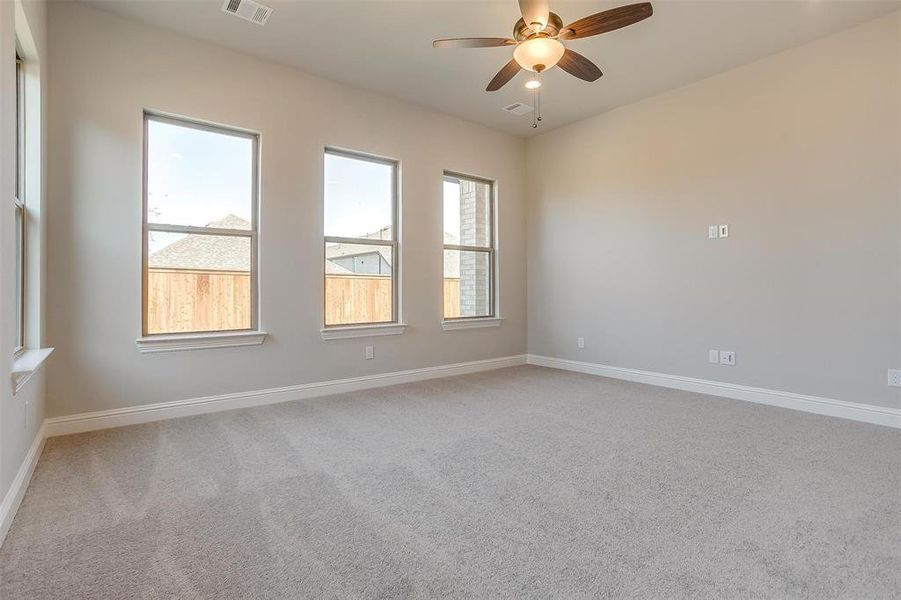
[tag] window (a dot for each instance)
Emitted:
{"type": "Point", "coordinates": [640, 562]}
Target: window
{"type": "Point", "coordinates": [200, 228]}
{"type": "Point", "coordinates": [468, 247]}
{"type": "Point", "coordinates": [360, 239]}
{"type": "Point", "coordinates": [20, 213]}
{"type": "Point", "coordinates": [28, 355]}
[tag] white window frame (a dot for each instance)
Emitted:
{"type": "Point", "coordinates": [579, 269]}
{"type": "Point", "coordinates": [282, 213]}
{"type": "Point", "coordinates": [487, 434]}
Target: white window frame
{"type": "Point", "coordinates": [394, 326]}
{"type": "Point", "coordinates": [491, 319]}
{"type": "Point", "coordinates": [28, 355]}
{"type": "Point", "coordinates": [158, 342]}
{"type": "Point", "coordinates": [20, 212]}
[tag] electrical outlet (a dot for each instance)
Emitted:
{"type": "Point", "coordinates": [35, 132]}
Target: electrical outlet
{"type": "Point", "coordinates": [724, 231]}
{"type": "Point", "coordinates": [894, 377]}
{"type": "Point", "coordinates": [727, 357]}
{"type": "Point", "coordinates": [713, 232]}
{"type": "Point", "coordinates": [580, 342]}
{"type": "Point", "coordinates": [713, 356]}
{"type": "Point", "coordinates": [370, 353]}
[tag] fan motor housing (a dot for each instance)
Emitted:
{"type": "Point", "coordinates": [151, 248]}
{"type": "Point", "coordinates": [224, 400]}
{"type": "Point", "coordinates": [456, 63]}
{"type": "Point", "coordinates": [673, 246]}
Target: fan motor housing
{"type": "Point", "coordinates": [522, 32]}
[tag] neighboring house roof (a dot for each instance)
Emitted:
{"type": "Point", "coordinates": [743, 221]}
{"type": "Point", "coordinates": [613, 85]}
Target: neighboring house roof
{"type": "Point", "coordinates": [451, 266]}
{"type": "Point", "coordinates": [333, 251]}
{"type": "Point", "coordinates": [230, 222]}
{"type": "Point", "coordinates": [332, 268]}
{"type": "Point", "coordinates": [225, 253]}
{"type": "Point", "coordinates": [338, 250]}
{"type": "Point", "coordinates": [207, 252]}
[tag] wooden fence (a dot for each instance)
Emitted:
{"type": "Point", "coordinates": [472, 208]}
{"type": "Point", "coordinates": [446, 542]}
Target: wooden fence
{"type": "Point", "coordinates": [367, 298]}
{"type": "Point", "coordinates": [357, 299]}
{"type": "Point", "coordinates": [451, 297]}
{"type": "Point", "coordinates": [180, 300]}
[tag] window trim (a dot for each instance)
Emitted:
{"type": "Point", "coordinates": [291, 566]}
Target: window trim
{"type": "Point", "coordinates": [26, 364]}
{"type": "Point", "coordinates": [178, 342]}
{"type": "Point", "coordinates": [252, 233]}
{"type": "Point", "coordinates": [394, 242]}
{"type": "Point", "coordinates": [29, 199]}
{"type": "Point", "coordinates": [491, 319]}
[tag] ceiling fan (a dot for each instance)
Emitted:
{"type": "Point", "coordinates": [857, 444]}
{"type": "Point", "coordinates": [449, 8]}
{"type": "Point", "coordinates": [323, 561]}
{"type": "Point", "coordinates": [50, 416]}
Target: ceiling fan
{"type": "Point", "coordinates": [539, 35]}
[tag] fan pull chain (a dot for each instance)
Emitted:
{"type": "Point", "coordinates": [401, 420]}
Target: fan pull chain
{"type": "Point", "coordinates": [534, 107]}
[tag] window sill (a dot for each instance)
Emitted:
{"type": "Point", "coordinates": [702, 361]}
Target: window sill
{"type": "Point", "coordinates": [26, 364]}
{"type": "Point", "coordinates": [361, 331]}
{"type": "Point", "coordinates": [471, 323]}
{"type": "Point", "coordinates": [199, 341]}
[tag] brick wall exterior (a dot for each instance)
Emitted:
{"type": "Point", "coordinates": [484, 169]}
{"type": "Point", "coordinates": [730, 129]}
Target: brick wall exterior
{"type": "Point", "coordinates": [475, 294]}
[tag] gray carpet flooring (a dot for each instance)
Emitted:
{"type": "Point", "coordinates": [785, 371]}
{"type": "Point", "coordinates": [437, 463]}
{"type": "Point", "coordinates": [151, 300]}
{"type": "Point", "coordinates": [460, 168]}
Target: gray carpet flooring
{"type": "Point", "coordinates": [519, 483]}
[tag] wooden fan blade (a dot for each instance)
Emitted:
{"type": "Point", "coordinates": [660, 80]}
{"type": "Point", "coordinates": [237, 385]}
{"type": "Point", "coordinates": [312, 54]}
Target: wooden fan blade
{"type": "Point", "coordinates": [607, 20]}
{"type": "Point", "coordinates": [503, 76]}
{"type": "Point", "coordinates": [534, 11]}
{"type": "Point", "coordinates": [577, 65]}
{"type": "Point", "coordinates": [473, 42]}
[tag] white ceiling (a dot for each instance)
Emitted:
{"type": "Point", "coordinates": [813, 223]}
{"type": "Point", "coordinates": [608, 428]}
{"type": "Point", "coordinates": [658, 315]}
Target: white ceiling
{"type": "Point", "coordinates": [386, 46]}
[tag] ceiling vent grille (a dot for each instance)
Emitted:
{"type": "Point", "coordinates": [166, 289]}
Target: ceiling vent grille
{"type": "Point", "coordinates": [247, 10]}
{"type": "Point", "coordinates": [518, 108]}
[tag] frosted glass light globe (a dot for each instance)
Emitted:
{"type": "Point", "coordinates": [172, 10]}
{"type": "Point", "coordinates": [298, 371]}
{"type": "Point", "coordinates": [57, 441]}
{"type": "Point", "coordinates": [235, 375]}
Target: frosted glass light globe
{"type": "Point", "coordinates": [539, 53]}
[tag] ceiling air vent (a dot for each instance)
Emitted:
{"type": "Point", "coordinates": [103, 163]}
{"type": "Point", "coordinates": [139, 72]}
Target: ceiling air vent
{"type": "Point", "coordinates": [518, 108]}
{"type": "Point", "coordinates": [247, 10]}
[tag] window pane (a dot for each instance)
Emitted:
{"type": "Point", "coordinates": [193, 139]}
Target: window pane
{"type": "Point", "coordinates": [197, 282]}
{"type": "Point", "coordinates": [20, 274]}
{"type": "Point", "coordinates": [359, 195]}
{"type": "Point", "coordinates": [467, 284]}
{"type": "Point", "coordinates": [20, 131]}
{"type": "Point", "coordinates": [358, 284]}
{"type": "Point", "coordinates": [467, 216]}
{"type": "Point", "coordinates": [198, 177]}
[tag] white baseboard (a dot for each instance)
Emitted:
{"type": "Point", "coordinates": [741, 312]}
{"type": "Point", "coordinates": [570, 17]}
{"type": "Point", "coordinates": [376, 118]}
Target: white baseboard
{"type": "Point", "coordinates": [16, 490]}
{"type": "Point", "coordinates": [867, 413]}
{"type": "Point", "coordinates": [194, 406]}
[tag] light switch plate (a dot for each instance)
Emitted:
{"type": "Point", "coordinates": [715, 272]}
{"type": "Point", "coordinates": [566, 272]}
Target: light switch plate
{"type": "Point", "coordinates": [724, 231]}
{"type": "Point", "coordinates": [713, 232]}
{"type": "Point", "coordinates": [727, 357]}
{"type": "Point", "coordinates": [713, 356]}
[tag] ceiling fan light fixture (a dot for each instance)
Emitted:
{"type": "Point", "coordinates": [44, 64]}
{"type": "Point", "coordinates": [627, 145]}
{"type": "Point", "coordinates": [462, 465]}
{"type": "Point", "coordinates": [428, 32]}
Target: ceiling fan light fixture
{"type": "Point", "coordinates": [539, 53]}
{"type": "Point", "coordinates": [533, 84]}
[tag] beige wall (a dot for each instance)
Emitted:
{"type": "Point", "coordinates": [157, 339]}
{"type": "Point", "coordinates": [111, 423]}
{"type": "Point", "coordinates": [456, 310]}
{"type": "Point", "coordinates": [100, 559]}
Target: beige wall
{"type": "Point", "coordinates": [105, 71]}
{"type": "Point", "coordinates": [799, 154]}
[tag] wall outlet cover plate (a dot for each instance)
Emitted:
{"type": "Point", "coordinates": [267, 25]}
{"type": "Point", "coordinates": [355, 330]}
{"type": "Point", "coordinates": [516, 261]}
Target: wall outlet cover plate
{"type": "Point", "coordinates": [894, 377]}
{"type": "Point", "coordinates": [713, 232]}
{"type": "Point", "coordinates": [713, 357]}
